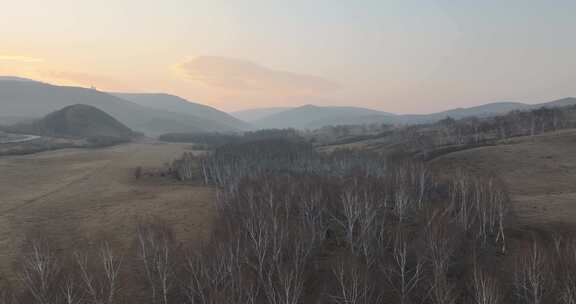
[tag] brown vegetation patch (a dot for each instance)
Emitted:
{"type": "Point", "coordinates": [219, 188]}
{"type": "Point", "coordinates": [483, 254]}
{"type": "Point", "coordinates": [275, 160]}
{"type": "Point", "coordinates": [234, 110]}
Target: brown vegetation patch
{"type": "Point", "coordinates": [84, 193]}
{"type": "Point", "coordinates": [539, 172]}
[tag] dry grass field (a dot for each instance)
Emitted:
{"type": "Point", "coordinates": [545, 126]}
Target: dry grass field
{"type": "Point", "coordinates": [539, 171]}
{"type": "Point", "coordinates": [91, 193]}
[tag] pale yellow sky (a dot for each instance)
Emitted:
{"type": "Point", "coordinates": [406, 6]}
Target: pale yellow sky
{"type": "Point", "coordinates": [398, 56]}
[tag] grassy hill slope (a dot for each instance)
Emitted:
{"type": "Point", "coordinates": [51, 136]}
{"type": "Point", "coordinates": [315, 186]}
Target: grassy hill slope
{"type": "Point", "coordinates": [177, 104]}
{"type": "Point", "coordinates": [81, 121]}
{"type": "Point", "coordinates": [73, 126]}
{"type": "Point", "coordinates": [33, 99]}
{"type": "Point", "coordinates": [311, 116]}
{"type": "Point", "coordinates": [539, 171]}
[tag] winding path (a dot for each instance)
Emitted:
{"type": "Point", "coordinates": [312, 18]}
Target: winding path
{"type": "Point", "coordinates": [18, 139]}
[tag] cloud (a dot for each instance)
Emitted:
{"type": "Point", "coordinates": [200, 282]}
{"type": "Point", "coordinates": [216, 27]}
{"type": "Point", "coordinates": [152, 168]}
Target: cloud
{"type": "Point", "coordinates": [246, 76]}
{"type": "Point", "coordinates": [16, 58]}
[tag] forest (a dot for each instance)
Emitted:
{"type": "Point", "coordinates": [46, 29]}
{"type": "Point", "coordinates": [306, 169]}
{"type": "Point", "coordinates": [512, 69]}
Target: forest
{"type": "Point", "coordinates": [429, 140]}
{"type": "Point", "coordinates": [287, 152]}
{"type": "Point", "coordinates": [294, 225]}
{"type": "Point", "coordinates": [297, 226]}
{"type": "Point", "coordinates": [420, 141]}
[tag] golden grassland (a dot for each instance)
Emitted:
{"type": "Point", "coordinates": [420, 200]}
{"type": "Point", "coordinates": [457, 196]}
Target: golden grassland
{"type": "Point", "coordinates": [539, 171]}
{"type": "Point", "coordinates": [77, 194]}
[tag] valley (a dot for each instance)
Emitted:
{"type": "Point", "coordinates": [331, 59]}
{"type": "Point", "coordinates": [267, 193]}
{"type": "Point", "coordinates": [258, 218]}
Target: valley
{"type": "Point", "coordinates": [287, 152]}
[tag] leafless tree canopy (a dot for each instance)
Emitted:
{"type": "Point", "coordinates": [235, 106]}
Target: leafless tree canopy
{"type": "Point", "coordinates": [295, 226]}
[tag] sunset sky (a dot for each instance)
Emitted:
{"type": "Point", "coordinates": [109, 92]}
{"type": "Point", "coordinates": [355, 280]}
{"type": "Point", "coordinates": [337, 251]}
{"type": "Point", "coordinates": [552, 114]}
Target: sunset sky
{"type": "Point", "coordinates": [410, 56]}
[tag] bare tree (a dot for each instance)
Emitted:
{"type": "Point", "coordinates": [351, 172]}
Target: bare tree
{"type": "Point", "coordinates": [156, 251]}
{"type": "Point", "coordinates": [71, 292]}
{"type": "Point", "coordinates": [565, 265]}
{"type": "Point", "coordinates": [7, 294]}
{"type": "Point", "coordinates": [403, 271]}
{"type": "Point", "coordinates": [214, 275]}
{"type": "Point", "coordinates": [41, 271]}
{"type": "Point", "coordinates": [354, 285]}
{"type": "Point", "coordinates": [531, 281]}
{"type": "Point", "coordinates": [568, 288]}
{"type": "Point", "coordinates": [486, 289]}
{"type": "Point", "coordinates": [99, 275]}
{"type": "Point", "coordinates": [440, 240]}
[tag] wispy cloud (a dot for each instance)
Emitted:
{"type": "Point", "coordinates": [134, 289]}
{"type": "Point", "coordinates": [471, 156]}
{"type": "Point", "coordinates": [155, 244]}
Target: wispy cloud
{"type": "Point", "coordinates": [17, 58]}
{"type": "Point", "coordinates": [242, 75]}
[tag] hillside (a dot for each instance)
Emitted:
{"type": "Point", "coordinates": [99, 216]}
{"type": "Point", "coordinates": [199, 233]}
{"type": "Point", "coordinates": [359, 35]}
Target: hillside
{"type": "Point", "coordinates": [537, 170]}
{"type": "Point", "coordinates": [532, 151]}
{"type": "Point", "coordinates": [75, 126]}
{"type": "Point", "coordinates": [310, 116]}
{"type": "Point", "coordinates": [75, 193]}
{"type": "Point", "coordinates": [14, 78]}
{"type": "Point", "coordinates": [28, 99]}
{"type": "Point", "coordinates": [568, 101]}
{"type": "Point", "coordinates": [78, 121]}
{"type": "Point", "coordinates": [251, 115]}
{"type": "Point", "coordinates": [317, 117]}
{"type": "Point", "coordinates": [177, 104]}
{"type": "Point", "coordinates": [484, 110]}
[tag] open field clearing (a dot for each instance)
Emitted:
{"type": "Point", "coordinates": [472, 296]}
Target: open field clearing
{"type": "Point", "coordinates": [92, 193]}
{"type": "Point", "coordinates": [539, 172]}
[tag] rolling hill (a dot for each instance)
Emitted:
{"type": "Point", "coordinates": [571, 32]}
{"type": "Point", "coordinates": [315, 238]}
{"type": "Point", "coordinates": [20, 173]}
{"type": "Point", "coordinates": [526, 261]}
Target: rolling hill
{"type": "Point", "coordinates": [82, 121]}
{"type": "Point", "coordinates": [251, 115]}
{"type": "Point", "coordinates": [316, 117]}
{"type": "Point", "coordinates": [486, 110]}
{"type": "Point", "coordinates": [30, 99]}
{"type": "Point", "coordinates": [155, 114]}
{"type": "Point", "coordinates": [77, 121]}
{"type": "Point", "coordinates": [568, 101]}
{"type": "Point", "coordinates": [310, 116]}
{"type": "Point", "coordinates": [538, 171]}
{"type": "Point", "coordinates": [180, 105]}
{"type": "Point", "coordinates": [75, 126]}
{"type": "Point", "coordinates": [15, 78]}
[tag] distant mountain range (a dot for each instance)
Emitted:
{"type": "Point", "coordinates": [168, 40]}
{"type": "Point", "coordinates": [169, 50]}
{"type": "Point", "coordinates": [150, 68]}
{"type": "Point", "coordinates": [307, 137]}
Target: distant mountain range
{"type": "Point", "coordinates": [252, 115]}
{"type": "Point", "coordinates": [311, 117]}
{"type": "Point", "coordinates": [22, 99]}
{"type": "Point", "coordinates": [14, 78]}
{"type": "Point", "coordinates": [167, 102]}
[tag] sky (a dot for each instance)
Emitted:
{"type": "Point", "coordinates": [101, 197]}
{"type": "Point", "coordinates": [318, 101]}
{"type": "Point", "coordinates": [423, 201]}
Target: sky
{"type": "Point", "coordinates": [410, 56]}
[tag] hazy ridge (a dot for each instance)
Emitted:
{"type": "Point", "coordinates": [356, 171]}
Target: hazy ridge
{"type": "Point", "coordinates": [29, 99]}
{"type": "Point", "coordinates": [159, 113]}
{"type": "Point", "coordinates": [310, 117]}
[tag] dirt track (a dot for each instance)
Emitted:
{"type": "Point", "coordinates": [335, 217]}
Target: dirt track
{"type": "Point", "coordinates": [78, 193]}
{"type": "Point", "coordinates": [18, 139]}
